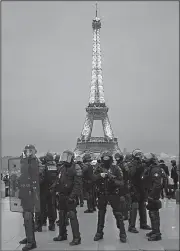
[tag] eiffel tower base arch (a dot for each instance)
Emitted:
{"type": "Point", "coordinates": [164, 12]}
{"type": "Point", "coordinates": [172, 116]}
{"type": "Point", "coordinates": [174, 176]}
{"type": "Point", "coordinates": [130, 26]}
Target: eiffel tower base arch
{"type": "Point", "coordinates": [96, 145]}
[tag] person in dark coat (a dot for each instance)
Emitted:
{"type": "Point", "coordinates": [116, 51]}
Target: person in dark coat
{"type": "Point", "coordinates": [137, 192]}
{"type": "Point", "coordinates": [152, 178]}
{"type": "Point", "coordinates": [29, 193]}
{"type": "Point", "coordinates": [68, 185]}
{"type": "Point", "coordinates": [110, 189]}
{"type": "Point", "coordinates": [174, 173]}
{"type": "Point", "coordinates": [88, 183]}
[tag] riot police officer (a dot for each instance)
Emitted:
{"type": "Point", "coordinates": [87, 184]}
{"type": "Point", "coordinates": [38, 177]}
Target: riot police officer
{"type": "Point", "coordinates": [68, 185]}
{"type": "Point", "coordinates": [80, 199]}
{"type": "Point", "coordinates": [29, 193]}
{"type": "Point", "coordinates": [153, 181]}
{"type": "Point", "coordinates": [110, 186]}
{"type": "Point", "coordinates": [138, 193]}
{"type": "Point", "coordinates": [50, 177]}
{"type": "Point", "coordinates": [119, 161]}
{"type": "Point", "coordinates": [41, 218]}
{"type": "Point", "coordinates": [59, 164]}
{"type": "Point", "coordinates": [88, 182]}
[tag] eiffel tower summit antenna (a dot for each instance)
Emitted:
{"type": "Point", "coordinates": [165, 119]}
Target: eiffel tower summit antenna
{"type": "Point", "coordinates": [96, 109]}
{"type": "Point", "coordinates": [96, 8]}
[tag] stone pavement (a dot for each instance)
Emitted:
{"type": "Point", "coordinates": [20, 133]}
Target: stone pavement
{"type": "Point", "coordinates": [12, 232]}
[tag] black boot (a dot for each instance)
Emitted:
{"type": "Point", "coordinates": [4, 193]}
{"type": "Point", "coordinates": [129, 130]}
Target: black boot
{"type": "Point", "coordinates": [143, 216]}
{"type": "Point", "coordinates": [51, 226]}
{"type": "Point", "coordinates": [29, 246]}
{"type": "Point", "coordinates": [75, 228]}
{"type": "Point", "coordinates": [29, 229]}
{"type": "Point", "coordinates": [155, 222]}
{"type": "Point", "coordinates": [62, 227]}
{"type": "Point", "coordinates": [149, 234]}
{"type": "Point", "coordinates": [100, 226]}
{"type": "Point", "coordinates": [132, 220]}
{"type": "Point", "coordinates": [120, 225]}
{"type": "Point", "coordinates": [89, 211]}
{"type": "Point", "coordinates": [24, 241]}
{"type": "Point", "coordinates": [38, 228]}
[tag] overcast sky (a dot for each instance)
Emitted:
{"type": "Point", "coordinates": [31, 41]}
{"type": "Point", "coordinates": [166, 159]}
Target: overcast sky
{"type": "Point", "coordinates": [46, 73]}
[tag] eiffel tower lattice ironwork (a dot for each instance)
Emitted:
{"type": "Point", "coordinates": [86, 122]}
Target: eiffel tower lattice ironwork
{"type": "Point", "coordinates": [97, 109]}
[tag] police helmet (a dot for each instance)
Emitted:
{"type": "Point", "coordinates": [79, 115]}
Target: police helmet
{"type": "Point", "coordinates": [78, 159]}
{"type": "Point", "coordinates": [161, 161]}
{"type": "Point", "coordinates": [137, 153]}
{"type": "Point", "coordinates": [128, 157]}
{"type": "Point", "coordinates": [87, 157]}
{"type": "Point", "coordinates": [150, 157]}
{"type": "Point", "coordinates": [67, 156]}
{"type": "Point", "coordinates": [173, 162]}
{"type": "Point", "coordinates": [57, 157]}
{"type": "Point", "coordinates": [29, 150]}
{"type": "Point", "coordinates": [30, 147]}
{"type": "Point", "coordinates": [49, 156]}
{"type": "Point", "coordinates": [119, 156]}
{"type": "Point", "coordinates": [106, 155]}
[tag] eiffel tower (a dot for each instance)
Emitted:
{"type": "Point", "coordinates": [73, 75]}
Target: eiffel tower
{"type": "Point", "coordinates": [96, 109]}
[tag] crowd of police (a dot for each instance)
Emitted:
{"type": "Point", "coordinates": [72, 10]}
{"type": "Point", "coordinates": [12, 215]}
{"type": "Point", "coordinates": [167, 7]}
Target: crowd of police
{"type": "Point", "coordinates": [132, 184]}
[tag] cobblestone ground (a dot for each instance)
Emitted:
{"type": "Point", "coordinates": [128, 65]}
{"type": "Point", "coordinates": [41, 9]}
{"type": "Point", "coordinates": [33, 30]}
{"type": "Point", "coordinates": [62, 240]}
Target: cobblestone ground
{"type": "Point", "coordinates": [12, 232]}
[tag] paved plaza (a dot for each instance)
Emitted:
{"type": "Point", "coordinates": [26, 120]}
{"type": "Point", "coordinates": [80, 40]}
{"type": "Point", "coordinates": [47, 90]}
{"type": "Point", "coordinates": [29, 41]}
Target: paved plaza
{"type": "Point", "coordinates": [12, 231]}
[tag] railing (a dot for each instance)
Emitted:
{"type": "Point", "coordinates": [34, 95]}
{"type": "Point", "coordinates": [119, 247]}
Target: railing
{"type": "Point", "coordinates": [97, 139]}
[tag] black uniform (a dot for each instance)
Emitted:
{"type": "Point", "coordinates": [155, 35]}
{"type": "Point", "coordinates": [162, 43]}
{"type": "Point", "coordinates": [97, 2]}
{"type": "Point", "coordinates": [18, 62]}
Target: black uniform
{"type": "Point", "coordinates": [50, 177]}
{"type": "Point", "coordinates": [29, 196]}
{"type": "Point", "coordinates": [68, 185]}
{"type": "Point", "coordinates": [48, 199]}
{"type": "Point", "coordinates": [174, 174]}
{"type": "Point", "coordinates": [138, 196]}
{"type": "Point", "coordinates": [125, 170]}
{"type": "Point", "coordinates": [88, 186]}
{"type": "Point", "coordinates": [59, 164]}
{"type": "Point", "coordinates": [164, 167]}
{"type": "Point", "coordinates": [40, 217]}
{"type": "Point", "coordinates": [81, 196]}
{"type": "Point", "coordinates": [153, 181]}
{"type": "Point", "coordinates": [109, 190]}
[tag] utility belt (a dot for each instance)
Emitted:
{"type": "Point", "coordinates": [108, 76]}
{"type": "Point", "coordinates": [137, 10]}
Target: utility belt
{"type": "Point", "coordinates": [115, 192]}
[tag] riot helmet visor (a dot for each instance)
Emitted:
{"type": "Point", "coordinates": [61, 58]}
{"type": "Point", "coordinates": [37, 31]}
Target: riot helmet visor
{"type": "Point", "coordinates": [66, 157]}
{"type": "Point", "coordinates": [30, 152]}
